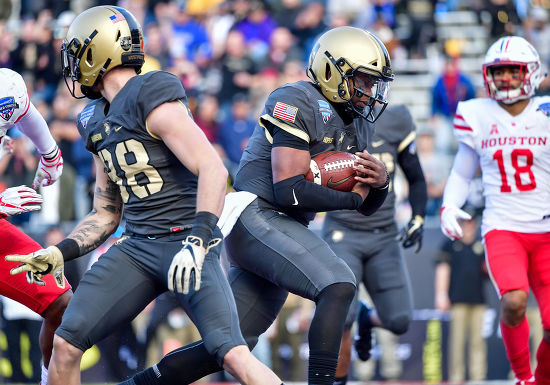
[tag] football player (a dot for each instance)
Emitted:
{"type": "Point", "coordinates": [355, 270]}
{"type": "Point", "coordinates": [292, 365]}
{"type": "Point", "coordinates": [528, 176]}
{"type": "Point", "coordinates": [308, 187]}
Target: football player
{"type": "Point", "coordinates": [50, 298]}
{"type": "Point", "coordinates": [506, 135]}
{"type": "Point", "coordinates": [271, 250]}
{"type": "Point", "coordinates": [370, 245]}
{"type": "Point", "coordinates": [156, 170]}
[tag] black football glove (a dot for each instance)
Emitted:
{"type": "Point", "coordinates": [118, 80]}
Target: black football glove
{"type": "Point", "coordinates": [412, 233]}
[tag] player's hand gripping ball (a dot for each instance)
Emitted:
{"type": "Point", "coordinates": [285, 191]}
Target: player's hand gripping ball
{"type": "Point", "coordinates": [333, 169]}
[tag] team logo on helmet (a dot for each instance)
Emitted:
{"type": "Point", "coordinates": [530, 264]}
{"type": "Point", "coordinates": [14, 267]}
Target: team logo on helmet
{"type": "Point", "coordinates": [7, 107]}
{"type": "Point", "coordinates": [325, 110]}
{"type": "Point", "coordinates": [545, 109]}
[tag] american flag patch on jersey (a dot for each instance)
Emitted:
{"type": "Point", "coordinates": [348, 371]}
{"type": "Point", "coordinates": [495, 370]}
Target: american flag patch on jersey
{"type": "Point", "coordinates": [117, 17]}
{"type": "Point", "coordinates": [285, 112]}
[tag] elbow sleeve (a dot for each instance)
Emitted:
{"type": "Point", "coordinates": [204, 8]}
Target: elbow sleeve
{"type": "Point", "coordinates": [35, 127]}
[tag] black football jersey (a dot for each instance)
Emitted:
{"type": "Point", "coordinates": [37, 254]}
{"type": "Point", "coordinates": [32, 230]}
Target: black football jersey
{"type": "Point", "coordinates": [394, 132]}
{"type": "Point", "coordinates": [158, 191]}
{"type": "Point", "coordinates": [301, 110]}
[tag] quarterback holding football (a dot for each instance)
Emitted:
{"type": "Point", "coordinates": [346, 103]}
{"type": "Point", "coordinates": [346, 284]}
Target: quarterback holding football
{"type": "Point", "coordinates": [271, 250]}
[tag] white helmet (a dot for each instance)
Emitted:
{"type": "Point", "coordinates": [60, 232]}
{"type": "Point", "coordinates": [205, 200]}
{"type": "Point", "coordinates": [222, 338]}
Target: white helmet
{"type": "Point", "coordinates": [14, 99]}
{"type": "Point", "coordinates": [513, 51]}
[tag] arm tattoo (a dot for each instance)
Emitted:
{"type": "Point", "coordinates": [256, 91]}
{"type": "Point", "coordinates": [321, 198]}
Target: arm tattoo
{"type": "Point", "coordinates": [102, 221]}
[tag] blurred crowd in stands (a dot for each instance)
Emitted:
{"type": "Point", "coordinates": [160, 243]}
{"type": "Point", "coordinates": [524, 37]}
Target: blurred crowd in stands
{"type": "Point", "coordinates": [229, 56]}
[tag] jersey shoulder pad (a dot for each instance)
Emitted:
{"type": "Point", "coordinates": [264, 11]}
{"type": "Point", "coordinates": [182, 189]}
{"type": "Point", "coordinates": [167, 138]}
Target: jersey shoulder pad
{"type": "Point", "coordinates": [396, 126]}
{"type": "Point", "coordinates": [467, 119]}
{"type": "Point", "coordinates": [156, 88]}
{"type": "Point", "coordinates": [290, 107]}
{"type": "Point", "coordinates": [14, 98]}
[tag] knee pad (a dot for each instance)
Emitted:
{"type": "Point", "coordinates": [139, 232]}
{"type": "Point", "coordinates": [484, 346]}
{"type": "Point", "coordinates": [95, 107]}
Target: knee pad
{"type": "Point", "coordinates": [400, 324]}
{"type": "Point", "coordinates": [342, 291]}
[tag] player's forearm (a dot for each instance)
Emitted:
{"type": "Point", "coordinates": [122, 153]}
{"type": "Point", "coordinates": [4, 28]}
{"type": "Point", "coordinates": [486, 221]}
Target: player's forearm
{"type": "Point", "coordinates": [458, 184]}
{"type": "Point", "coordinates": [418, 190]}
{"type": "Point", "coordinates": [100, 223]}
{"type": "Point", "coordinates": [92, 232]}
{"type": "Point", "coordinates": [212, 187]}
{"type": "Point", "coordinates": [35, 127]}
{"type": "Point", "coordinates": [442, 278]}
{"type": "Point", "coordinates": [456, 191]}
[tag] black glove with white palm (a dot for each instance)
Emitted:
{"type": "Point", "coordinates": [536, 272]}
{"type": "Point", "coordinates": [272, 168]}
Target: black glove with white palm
{"type": "Point", "coordinates": [187, 264]}
{"type": "Point", "coordinates": [412, 233]}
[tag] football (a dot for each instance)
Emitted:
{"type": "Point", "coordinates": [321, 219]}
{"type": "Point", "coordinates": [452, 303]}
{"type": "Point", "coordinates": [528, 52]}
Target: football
{"type": "Point", "coordinates": [333, 169]}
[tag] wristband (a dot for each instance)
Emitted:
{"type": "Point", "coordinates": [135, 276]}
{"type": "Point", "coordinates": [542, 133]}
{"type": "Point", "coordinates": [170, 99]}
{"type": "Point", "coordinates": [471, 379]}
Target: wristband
{"type": "Point", "coordinates": [203, 226]}
{"type": "Point", "coordinates": [386, 184]}
{"type": "Point", "coordinates": [69, 249]}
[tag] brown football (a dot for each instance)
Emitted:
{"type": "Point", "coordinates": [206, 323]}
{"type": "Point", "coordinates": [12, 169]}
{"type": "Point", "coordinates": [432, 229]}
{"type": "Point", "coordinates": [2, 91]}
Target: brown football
{"type": "Point", "coordinates": [333, 169]}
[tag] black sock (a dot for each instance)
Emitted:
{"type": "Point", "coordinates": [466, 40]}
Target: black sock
{"type": "Point", "coordinates": [341, 380]}
{"type": "Point", "coordinates": [322, 367]}
{"type": "Point", "coordinates": [128, 382]}
{"type": "Point", "coordinates": [147, 377]}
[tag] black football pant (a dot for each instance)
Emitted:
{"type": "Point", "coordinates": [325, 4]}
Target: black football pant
{"type": "Point", "coordinates": [271, 254]}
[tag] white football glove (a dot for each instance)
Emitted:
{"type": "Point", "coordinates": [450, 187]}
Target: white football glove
{"type": "Point", "coordinates": [40, 263]}
{"type": "Point", "coordinates": [187, 261]}
{"type": "Point", "coordinates": [49, 169]}
{"type": "Point", "coordinates": [17, 200]}
{"type": "Point", "coordinates": [449, 221]}
{"type": "Point", "coordinates": [6, 146]}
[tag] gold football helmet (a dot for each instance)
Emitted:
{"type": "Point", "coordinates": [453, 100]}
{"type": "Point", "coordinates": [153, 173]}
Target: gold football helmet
{"type": "Point", "coordinates": [98, 40]}
{"type": "Point", "coordinates": [347, 62]}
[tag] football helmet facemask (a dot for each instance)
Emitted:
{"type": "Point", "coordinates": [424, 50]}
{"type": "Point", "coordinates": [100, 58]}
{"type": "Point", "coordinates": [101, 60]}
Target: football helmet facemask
{"type": "Point", "coordinates": [512, 51]}
{"type": "Point", "coordinates": [348, 62]}
{"type": "Point", "coordinates": [98, 40]}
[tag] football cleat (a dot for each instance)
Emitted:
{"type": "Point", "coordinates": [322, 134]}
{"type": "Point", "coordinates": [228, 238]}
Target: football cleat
{"type": "Point", "coordinates": [363, 339]}
{"type": "Point", "coordinates": [530, 381]}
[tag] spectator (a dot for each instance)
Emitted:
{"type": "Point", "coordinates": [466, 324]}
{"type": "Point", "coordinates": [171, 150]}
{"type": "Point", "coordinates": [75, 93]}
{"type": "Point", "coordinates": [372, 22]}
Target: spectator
{"type": "Point", "coordinates": [451, 87]}
{"type": "Point", "coordinates": [257, 28]}
{"type": "Point", "coordinates": [235, 130]}
{"type": "Point", "coordinates": [309, 24]}
{"type": "Point", "coordinates": [436, 167]}
{"type": "Point", "coordinates": [504, 18]}
{"type": "Point", "coordinates": [237, 67]}
{"type": "Point", "coordinates": [421, 16]}
{"type": "Point", "coordinates": [286, 11]}
{"type": "Point", "coordinates": [157, 45]}
{"type": "Point", "coordinates": [282, 49]}
{"type": "Point", "coordinates": [537, 31]}
{"type": "Point", "coordinates": [189, 39]}
{"type": "Point", "coordinates": [459, 277]}
{"type": "Point", "coordinates": [207, 117]}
